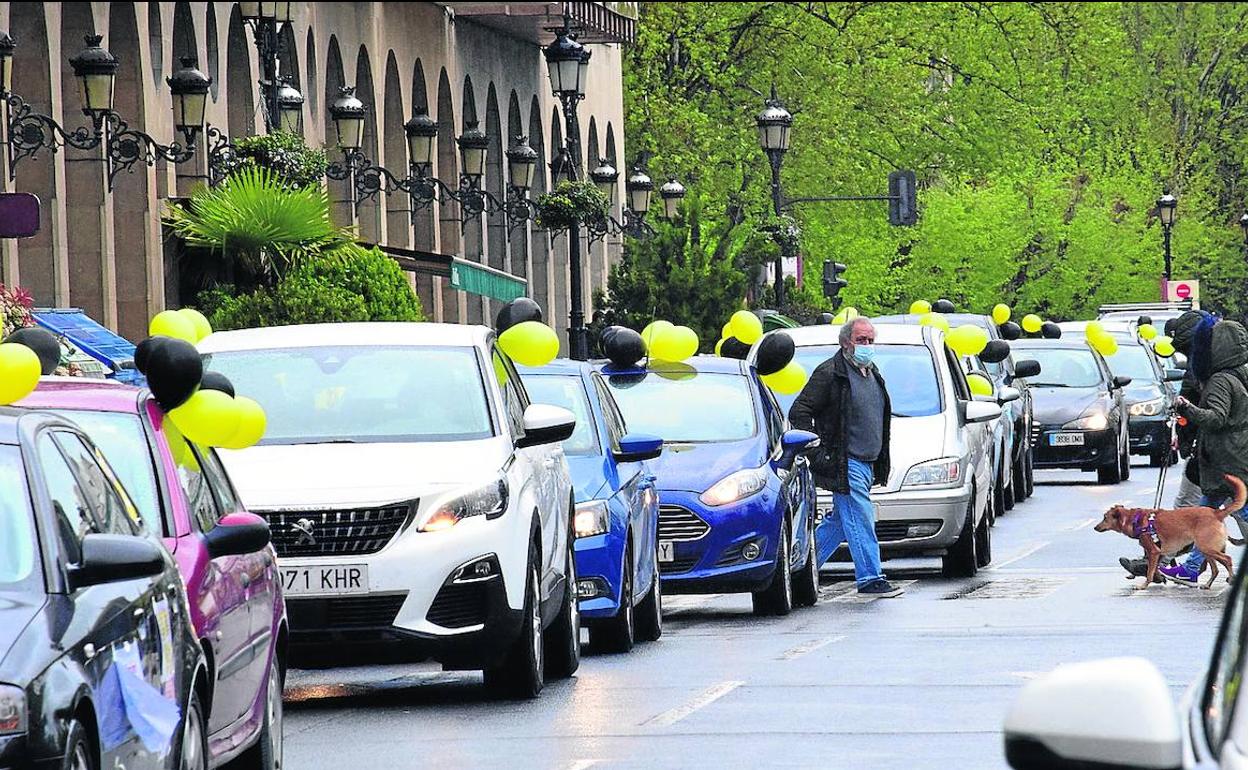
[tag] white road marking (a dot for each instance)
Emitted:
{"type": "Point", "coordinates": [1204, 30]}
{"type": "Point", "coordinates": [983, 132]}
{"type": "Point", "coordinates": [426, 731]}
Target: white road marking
{"type": "Point", "coordinates": [583, 764]}
{"type": "Point", "coordinates": [706, 698]}
{"type": "Point", "coordinates": [810, 646]}
{"type": "Point", "coordinates": [1081, 525]}
{"type": "Point", "coordinates": [1017, 557]}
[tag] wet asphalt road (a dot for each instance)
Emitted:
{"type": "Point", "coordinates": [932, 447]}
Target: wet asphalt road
{"type": "Point", "coordinates": [922, 681]}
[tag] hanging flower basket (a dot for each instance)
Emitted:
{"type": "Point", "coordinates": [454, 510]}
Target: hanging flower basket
{"type": "Point", "coordinates": [569, 204]}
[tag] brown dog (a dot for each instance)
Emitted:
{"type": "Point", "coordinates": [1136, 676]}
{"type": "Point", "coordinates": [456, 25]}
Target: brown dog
{"type": "Point", "coordinates": [1162, 531]}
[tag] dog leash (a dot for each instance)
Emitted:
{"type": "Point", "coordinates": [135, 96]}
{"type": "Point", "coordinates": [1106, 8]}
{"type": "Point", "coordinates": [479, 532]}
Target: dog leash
{"type": "Point", "coordinates": [1165, 466]}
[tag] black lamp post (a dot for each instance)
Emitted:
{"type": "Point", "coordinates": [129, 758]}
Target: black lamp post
{"type": "Point", "coordinates": [1166, 208]}
{"type": "Point", "coordinates": [774, 123]}
{"type": "Point", "coordinates": [266, 20]}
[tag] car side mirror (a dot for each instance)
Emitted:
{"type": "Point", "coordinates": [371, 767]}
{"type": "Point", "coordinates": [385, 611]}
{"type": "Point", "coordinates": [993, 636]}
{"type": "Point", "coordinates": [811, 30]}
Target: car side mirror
{"type": "Point", "coordinates": [1175, 375]}
{"type": "Point", "coordinates": [1103, 713]}
{"type": "Point", "coordinates": [545, 424]}
{"type": "Point", "coordinates": [115, 558]}
{"type": "Point", "coordinates": [1121, 381]}
{"type": "Point", "coordinates": [793, 443]}
{"type": "Point", "coordinates": [1006, 394]}
{"type": "Point", "coordinates": [639, 447]}
{"type": "Point", "coordinates": [237, 534]}
{"type": "Point", "coordinates": [1027, 368]}
{"type": "Point", "coordinates": [980, 411]}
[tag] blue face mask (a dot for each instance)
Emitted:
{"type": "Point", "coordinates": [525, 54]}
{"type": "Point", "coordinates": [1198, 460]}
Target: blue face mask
{"type": "Point", "coordinates": [864, 354]}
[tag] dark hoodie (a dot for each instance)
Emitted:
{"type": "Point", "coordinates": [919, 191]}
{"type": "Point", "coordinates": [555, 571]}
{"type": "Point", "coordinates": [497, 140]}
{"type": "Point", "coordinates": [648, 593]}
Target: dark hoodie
{"type": "Point", "coordinates": [1221, 419]}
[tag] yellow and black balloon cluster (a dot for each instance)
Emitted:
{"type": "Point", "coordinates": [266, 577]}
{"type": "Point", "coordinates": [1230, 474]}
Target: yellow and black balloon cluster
{"type": "Point", "coordinates": [202, 405]}
{"type": "Point", "coordinates": [25, 355]}
{"type": "Point", "coordinates": [776, 367]}
{"type": "Point", "coordinates": [659, 341]}
{"type": "Point", "coordinates": [523, 336]}
{"type": "Point", "coordinates": [1162, 344]}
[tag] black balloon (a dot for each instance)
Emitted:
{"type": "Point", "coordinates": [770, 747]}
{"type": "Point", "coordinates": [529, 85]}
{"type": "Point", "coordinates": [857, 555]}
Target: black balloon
{"type": "Point", "coordinates": [774, 353]}
{"type": "Point", "coordinates": [826, 318]}
{"type": "Point", "coordinates": [1143, 320]}
{"type": "Point", "coordinates": [43, 342]}
{"type": "Point", "coordinates": [174, 370]}
{"type": "Point", "coordinates": [625, 347]}
{"type": "Point", "coordinates": [217, 381]}
{"type": "Point", "coordinates": [734, 348]}
{"type": "Point", "coordinates": [1050, 331]}
{"type": "Point", "coordinates": [607, 333]}
{"type": "Point", "coordinates": [995, 352]}
{"type": "Point", "coordinates": [517, 311]}
{"type": "Point", "coordinates": [943, 306]}
{"type": "Point", "coordinates": [143, 351]}
{"type": "Point", "coordinates": [1010, 330]}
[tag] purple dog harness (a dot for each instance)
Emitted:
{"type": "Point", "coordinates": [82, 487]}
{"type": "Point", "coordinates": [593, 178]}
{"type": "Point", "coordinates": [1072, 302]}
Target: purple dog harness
{"type": "Point", "coordinates": [1148, 528]}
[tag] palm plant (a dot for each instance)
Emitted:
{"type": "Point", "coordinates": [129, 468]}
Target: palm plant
{"type": "Point", "coordinates": [256, 225]}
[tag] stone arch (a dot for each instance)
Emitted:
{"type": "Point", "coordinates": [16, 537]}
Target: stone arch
{"type": "Point", "coordinates": [591, 158]}
{"type": "Point", "coordinates": [240, 84]}
{"type": "Point", "coordinates": [420, 94]}
{"type": "Point", "coordinates": [311, 93]}
{"type": "Point", "coordinates": [183, 34]}
{"type": "Point", "coordinates": [369, 211]}
{"type": "Point", "coordinates": [423, 222]}
{"type": "Point", "coordinates": [447, 169]}
{"type": "Point", "coordinates": [539, 240]}
{"type": "Point", "coordinates": [129, 196]}
{"type": "Point", "coordinates": [611, 156]}
{"type": "Point", "coordinates": [394, 157]}
{"type": "Point", "coordinates": [469, 103]}
{"type": "Point", "coordinates": [341, 202]}
{"type": "Point", "coordinates": [40, 266]}
{"type": "Point", "coordinates": [495, 182]}
{"type": "Point", "coordinates": [288, 64]}
{"type": "Point", "coordinates": [212, 62]}
{"type": "Point", "coordinates": [155, 41]}
{"type": "Point", "coordinates": [517, 238]}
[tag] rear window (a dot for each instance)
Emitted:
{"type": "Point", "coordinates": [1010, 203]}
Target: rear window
{"type": "Point", "coordinates": [908, 372]}
{"type": "Point", "coordinates": [18, 549]}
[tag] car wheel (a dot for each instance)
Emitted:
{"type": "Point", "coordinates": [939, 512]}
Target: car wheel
{"type": "Point", "coordinates": [617, 634]}
{"type": "Point", "coordinates": [563, 642]}
{"type": "Point", "coordinates": [1126, 459]}
{"type": "Point", "coordinates": [777, 597]}
{"type": "Point", "coordinates": [193, 753]}
{"type": "Point", "coordinates": [1111, 474]}
{"type": "Point", "coordinates": [962, 560]}
{"type": "Point", "coordinates": [267, 753]}
{"type": "Point", "coordinates": [79, 755]}
{"type": "Point", "coordinates": [650, 610]}
{"type": "Point", "coordinates": [522, 673]}
{"type": "Point", "coordinates": [806, 586]}
{"type": "Point", "coordinates": [983, 545]}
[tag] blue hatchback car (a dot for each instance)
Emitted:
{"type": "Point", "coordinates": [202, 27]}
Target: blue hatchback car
{"type": "Point", "coordinates": [737, 501]}
{"type": "Point", "coordinates": [617, 513]}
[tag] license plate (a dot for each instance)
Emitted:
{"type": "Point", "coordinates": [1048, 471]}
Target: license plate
{"type": "Point", "coordinates": [667, 551]}
{"type": "Point", "coordinates": [325, 580]}
{"type": "Point", "coordinates": [1065, 439]}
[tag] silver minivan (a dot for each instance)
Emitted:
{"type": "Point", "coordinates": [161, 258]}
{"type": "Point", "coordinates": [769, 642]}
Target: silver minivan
{"type": "Point", "coordinates": [936, 499]}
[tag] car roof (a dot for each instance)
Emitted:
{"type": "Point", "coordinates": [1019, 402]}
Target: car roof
{"type": "Point", "coordinates": [348, 334]}
{"type": "Point", "coordinates": [702, 363]}
{"type": "Point", "coordinates": [83, 393]}
{"type": "Point", "coordinates": [954, 319]}
{"type": "Point", "coordinates": [885, 334]}
{"type": "Point", "coordinates": [563, 366]}
{"type": "Point", "coordinates": [1067, 343]}
{"type": "Point", "coordinates": [1122, 328]}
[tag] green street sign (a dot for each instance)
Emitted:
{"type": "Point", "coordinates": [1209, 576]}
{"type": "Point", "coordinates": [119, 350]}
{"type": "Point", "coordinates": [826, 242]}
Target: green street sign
{"type": "Point", "coordinates": [486, 281]}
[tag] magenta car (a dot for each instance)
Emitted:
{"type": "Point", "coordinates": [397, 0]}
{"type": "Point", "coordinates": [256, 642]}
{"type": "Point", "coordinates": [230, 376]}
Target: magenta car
{"type": "Point", "coordinates": [222, 551]}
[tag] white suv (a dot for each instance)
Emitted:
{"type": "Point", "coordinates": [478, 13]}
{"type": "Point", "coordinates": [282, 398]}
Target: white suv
{"type": "Point", "coordinates": [413, 492]}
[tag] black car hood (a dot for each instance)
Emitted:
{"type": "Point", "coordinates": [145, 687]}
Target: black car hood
{"type": "Point", "coordinates": [1147, 391]}
{"type": "Point", "coordinates": [1054, 406]}
{"type": "Point", "coordinates": [17, 610]}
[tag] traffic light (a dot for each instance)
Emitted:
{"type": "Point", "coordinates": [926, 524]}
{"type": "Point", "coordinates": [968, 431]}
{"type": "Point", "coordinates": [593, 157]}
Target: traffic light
{"type": "Point", "coordinates": [832, 280]}
{"type": "Point", "coordinates": [903, 209]}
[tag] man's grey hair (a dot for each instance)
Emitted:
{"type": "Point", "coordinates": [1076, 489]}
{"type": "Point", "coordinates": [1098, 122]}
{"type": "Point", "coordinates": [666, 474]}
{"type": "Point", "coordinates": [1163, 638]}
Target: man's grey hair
{"type": "Point", "coordinates": [847, 329]}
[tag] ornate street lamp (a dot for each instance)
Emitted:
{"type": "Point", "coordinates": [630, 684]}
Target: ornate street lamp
{"type": "Point", "coordinates": [96, 69]}
{"type": "Point", "coordinates": [774, 124]}
{"type": "Point", "coordinates": [289, 107]}
{"type": "Point", "coordinates": [672, 193]}
{"type": "Point", "coordinates": [473, 146]}
{"type": "Point", "coordinates": [640, 188]}
{"type": "Point", "coordinates": [521, 164]}
{"type": "Point", "coordinates": [7, 47]}
{"type": "Point", "coordinates": [422, 133]}
{"type": "Point", "coordinates": [1167, 206]}
{"type": "Point", "coordinates": [348, 113]}
{"type": "Point", "coordinates": [189, 87]}
{"type": "Point", "coordinates": [567, 62]}
{"type": "Point", "coordinates": [605, 179]}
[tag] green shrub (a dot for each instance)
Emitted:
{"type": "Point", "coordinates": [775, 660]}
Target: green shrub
{"type": "Point", "coordinates": [283, 153]}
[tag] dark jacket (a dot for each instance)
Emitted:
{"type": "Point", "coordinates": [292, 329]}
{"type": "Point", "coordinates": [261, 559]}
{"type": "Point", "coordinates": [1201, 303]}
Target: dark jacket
{"type": "Point", "coordinates": [821, 408]}
{"type": "Point", "coordinates": [1221, 419]}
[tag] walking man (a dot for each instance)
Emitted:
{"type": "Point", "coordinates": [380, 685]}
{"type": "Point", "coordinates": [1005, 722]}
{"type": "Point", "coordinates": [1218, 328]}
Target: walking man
{"type": "Point", "coordinates": [846, 403]}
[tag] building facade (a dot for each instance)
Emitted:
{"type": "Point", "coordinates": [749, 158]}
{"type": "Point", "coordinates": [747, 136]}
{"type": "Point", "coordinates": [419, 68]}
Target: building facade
{"type": "Point", "coordinates": [105, 250]}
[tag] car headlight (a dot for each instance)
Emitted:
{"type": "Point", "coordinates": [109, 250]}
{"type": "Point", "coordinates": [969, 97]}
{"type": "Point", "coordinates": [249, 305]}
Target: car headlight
{"type": "Point", "coordinates": [945, 472]}
{"type": "Point", "coordinates": [1150, 408]}
{"type": "Point", "coordinates": [735, 487]}
{"type": "Point", "coordinates": [592, 518]}
{"type": "Point", "coordinates": [489, 500]}
{"type": "Point", "coordinates": [1095, 421]}
{"type": "Point", "coordinates": [12, 710]}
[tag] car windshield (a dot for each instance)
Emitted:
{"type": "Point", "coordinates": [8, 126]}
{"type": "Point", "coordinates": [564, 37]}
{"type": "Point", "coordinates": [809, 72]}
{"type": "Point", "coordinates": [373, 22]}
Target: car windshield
{"type": "Point", "coordinates": [695, 407]}
{"type": "Point", "coordinates": [363, 393]}
{"type": "Point", "coordinates": [1132, 361]}
{"type": "Point", "coordinates": [120, 437]}
{"type": "Point", "coordinates": [569, 393]}
{"type": "Point", "coordinates": [908, 372]}
{"type": "Point", "coordinates": [17, 527]}
{"type": "Point", "coordinates": [1064, 368]}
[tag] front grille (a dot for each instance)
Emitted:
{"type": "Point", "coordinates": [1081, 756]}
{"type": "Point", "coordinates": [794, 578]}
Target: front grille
{"type": "Point", "coordinates": [345, 612]}
{"type": "Point", "coordinates": [681, 564]}
{"type": "Point", "coordinates": [730, 556]}
{"type": "Point", "coordinates": [888, 531]}
{"type": "Point", "coordinates": [348, 531]}
{"type": "Point", "coordinates": [680, 525]}
{"type": "Point", "coordinates": [459, 606]}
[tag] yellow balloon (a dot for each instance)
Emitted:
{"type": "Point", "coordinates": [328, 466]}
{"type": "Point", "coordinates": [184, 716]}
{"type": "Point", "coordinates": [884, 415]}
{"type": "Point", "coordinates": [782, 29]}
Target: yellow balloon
{"type": "Point", "coordinates": [1105, 344]}
{"type": "Point", "coordinates": [531, 343]}
{"type": "Point", "coordinates": [172, 323]}
{"type": "Point", "coordinates": [1163, 346]}
{"type": "Point", "coordinates": [198, 320]}
{"type": "Point", "coordinates": [934, 319]}
{"type": "Point", "coordinates": [746, 327]}
{"type": "Point", "coordinates": [789, 380]}
{"type": "Point", "coordinates": [1147, 331]}
{"type": "Point", "coordinates": [719, 347]}
{"type": "Point", "coordinates": [1094, 329]}
{"type": "Point", "coordinates": [19, 372]}
{"type": "Point", "coordinates": [979, 384]}
{"type": "Point", "coordinates": [726, 332]}
{"type": "Point", "coordinates": [674, 344]}
{"type": "Point", "coordinates": [967, 340]}
{"type": "Point", "coordinates": [1032, 323]}
{"type": "Point", "coordinates": [653, 331]}
{"type": "Point", "coordinates": [846, 315]}
{"type": "Point", "coordinates": [208, 417]}
{"type": "Point", "coordinates": [1001, 313]}
{"type": "Point", "coordinates": [840, 318]}
{"type": "Point", "coordinates": [251, 424]}
{"type": "Point", "coordinates": [920, 307]}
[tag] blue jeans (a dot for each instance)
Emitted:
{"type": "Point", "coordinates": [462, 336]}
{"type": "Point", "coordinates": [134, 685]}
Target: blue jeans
{"type": "Point", "coordinates": [853, 521]}
{"type": "Point", "coordinates": [1196, 560]}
